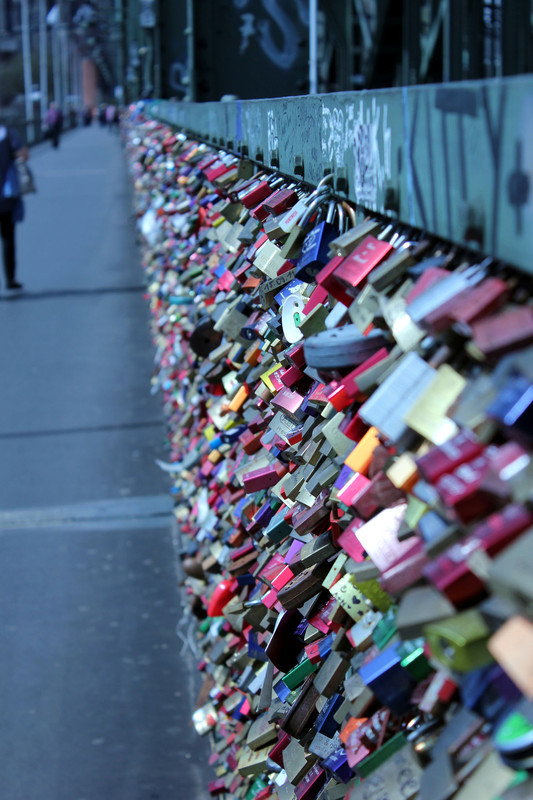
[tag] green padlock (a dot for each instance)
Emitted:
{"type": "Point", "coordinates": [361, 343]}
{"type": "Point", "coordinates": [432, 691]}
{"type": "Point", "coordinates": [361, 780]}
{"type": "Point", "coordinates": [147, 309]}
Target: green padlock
{"type": "Point", "coordinates": [460, 642]}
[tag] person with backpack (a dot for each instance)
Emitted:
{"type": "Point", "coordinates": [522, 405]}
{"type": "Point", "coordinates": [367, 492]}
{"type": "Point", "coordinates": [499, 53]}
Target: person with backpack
{"type": "Point", "coordinates": [11, 208]}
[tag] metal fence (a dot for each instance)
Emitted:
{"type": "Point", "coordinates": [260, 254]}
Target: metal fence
{"type": "Point", "coordinates": [455, 160]}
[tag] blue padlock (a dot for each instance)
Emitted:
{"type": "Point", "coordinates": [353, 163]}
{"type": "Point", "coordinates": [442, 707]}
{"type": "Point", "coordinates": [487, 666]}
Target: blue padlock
{"type": "Point", "coordinates": [390, 682]}
{"type": "Point", "coordinates": [324, 646]}
{"type": "Point", "coordinates": [314, 253]}
{"type": "Point", "coordinates": [513, 408]}
{"type": "Point", "coordinates": [337, 765]}
{"type": "Point", "coordinates": [326, 724]}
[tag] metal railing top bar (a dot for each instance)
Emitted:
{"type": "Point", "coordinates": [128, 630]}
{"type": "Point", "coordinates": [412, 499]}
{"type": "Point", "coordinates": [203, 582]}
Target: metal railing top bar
{"type": "Point", "coordinates": [452, 159]}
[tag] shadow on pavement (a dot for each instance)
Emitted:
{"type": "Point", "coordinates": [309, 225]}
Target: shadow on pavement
{"type": "Point", "coordinates": [55, 293]}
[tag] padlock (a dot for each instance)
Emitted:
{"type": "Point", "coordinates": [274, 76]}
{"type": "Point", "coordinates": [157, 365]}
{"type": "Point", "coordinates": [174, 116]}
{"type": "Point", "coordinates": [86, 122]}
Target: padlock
{"type": "Point", "coordinates": [314, 252]}
{"type": "Point", "coordinates": [291, 314]}
{"type": "Point", "coordinates": [230, 211]}
{"type": "Point", "coordinates": [275, 226]}
{"type": "Point", "coordinates": [394, 266]}
{"type": "Point", "coordinates": [292, 245]}
{"type": "Point", "coordinates": [354, 270]}
{"type": "Point", "coordinates": [350, 239]}
{"type": "Point", "coordinates": [273, 229]}
{"type": "Point", "coordinates": [386, 407]}
{"type": "Point", "coordinates": [253, 195]}
{"type": "Point", "coordinates": [269, 259]}
{"type": "Point", "coordinates": [283, 198]}
{"type": "Point", "coordinates": [469, 305]}
{"type": "Point", "coordinates": [513, 740]}
{"type": "Point", "coordinates": [291, 219]}
{"type": "Point", "coordinates": [387, 678]}
{"type": "Point", "coordinates": [222, 594]}
{"type": "Point", "coordinates": [249, 232]}
{"type": "Point", "coordinates": [341, 347]}
{"type": "Point", "coordinates": [241, 186]}
{"type": "Point", "coordinates": [260, 211]}
{"type": "Point", "coordinates": [460, 642]}
{"type": "Point", "coordinates": [512, 408]}
{"type": "Point", "coordinates": [442, 291]}
{"type": "Point", "coordinates": [226, 164]}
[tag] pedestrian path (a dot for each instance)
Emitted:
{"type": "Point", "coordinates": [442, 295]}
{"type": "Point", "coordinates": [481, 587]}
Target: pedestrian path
{"type": "Point", "coordinates": [96, 687]}
{"type": "Point", "coordinates": [77, 420]}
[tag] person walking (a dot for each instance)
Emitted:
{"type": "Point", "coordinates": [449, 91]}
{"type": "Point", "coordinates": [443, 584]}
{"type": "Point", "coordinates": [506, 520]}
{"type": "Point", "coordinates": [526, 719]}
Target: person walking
{"type": "Point", "coordinates": [87, 116]}
{"type": "Point", "coordinates": [53, 123]}
{"type": "Point", "coordinates": [111, 115]}
{"type": "Point", "coordinates": [11, 208]}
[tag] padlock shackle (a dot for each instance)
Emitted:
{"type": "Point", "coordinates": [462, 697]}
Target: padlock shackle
{"type": "Point", "coordinates": [341, 218]}
{"type": "Point", "coordinates": [323, 181]}
{"type": "Point", "coordinates": [331, 212]}
{"type": "Point", "coordinates": [350, 211]}
{"type": "Point", "coordinates": [317, 201]}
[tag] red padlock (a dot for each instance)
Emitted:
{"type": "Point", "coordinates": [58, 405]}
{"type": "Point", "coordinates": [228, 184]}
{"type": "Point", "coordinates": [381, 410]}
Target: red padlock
{"type": "Point", "coordinates": [221, 596]}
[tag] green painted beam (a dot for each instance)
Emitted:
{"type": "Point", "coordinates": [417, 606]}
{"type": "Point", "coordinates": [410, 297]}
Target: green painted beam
{"type": "Point", "coordinates": [453, 159]}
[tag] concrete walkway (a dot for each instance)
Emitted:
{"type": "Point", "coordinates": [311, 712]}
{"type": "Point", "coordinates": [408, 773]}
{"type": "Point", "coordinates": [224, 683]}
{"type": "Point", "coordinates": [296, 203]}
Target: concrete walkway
{"type": "Point", "coordinates": [96, 688]}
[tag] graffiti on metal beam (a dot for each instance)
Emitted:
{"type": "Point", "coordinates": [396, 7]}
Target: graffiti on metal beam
{"type": "Point", "coordinates": [176, 75]}
{"type": "Point", "coordinates": [372, 172]}
{"type": "Point", "coordinates": [456, 161]}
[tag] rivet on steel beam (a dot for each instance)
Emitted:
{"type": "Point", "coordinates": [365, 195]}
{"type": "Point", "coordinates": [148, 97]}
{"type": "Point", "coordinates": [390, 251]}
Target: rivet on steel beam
{"type": "Point", "coordinates": [299, 166]}
{"type": "Point", "coordinates": [274, 157]}
{"type": "Point", "coordinates": [341, 180]}
{"type": "Point", "coordinates": [474, 232]}
{"type": "Point", "coordinates": [392, 200]}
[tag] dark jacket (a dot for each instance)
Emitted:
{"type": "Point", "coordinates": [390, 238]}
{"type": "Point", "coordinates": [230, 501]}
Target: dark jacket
{"type": "Point", "coordinates": [10, 143]}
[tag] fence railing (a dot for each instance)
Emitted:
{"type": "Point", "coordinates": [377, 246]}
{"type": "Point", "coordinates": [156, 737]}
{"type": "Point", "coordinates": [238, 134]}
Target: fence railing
{"type": "Point", "coordinates": [453, 159]}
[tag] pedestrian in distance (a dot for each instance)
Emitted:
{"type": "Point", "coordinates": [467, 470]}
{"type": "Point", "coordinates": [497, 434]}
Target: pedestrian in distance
{"type": "Point", "coordinates": [87, 116]}
{"type": "Point", "coordinates": [72, 116]}
{"type": "Point", "coordinates": [53, 124]}
{"type": "Point", "coordinates": [11, 206]}
{"type": "Point", "coordinates": [111, 117]}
